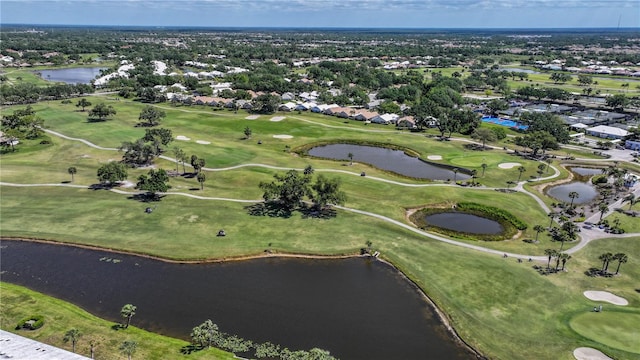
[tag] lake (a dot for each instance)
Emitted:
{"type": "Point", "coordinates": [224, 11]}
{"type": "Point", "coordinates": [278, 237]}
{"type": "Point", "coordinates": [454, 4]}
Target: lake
{"type": "Point", "coordinates": [586, 171]}
{"type": "Point", "coordinates": [387, 159]}
{"type": "Point", "coordinates": [71, 75]}
{"type": "Point", "coordinates": [468, 223]}
{"type": "Point", "coordinates": [356, 308]}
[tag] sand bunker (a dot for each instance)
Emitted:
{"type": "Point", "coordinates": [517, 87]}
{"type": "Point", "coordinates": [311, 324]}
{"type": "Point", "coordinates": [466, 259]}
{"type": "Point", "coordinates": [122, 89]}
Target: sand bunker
{"type": "Point", "coordinates": [252, 117]}
{"type": "Point", "coordinates": [508, 165]}
{"type": "Point", "coordinates": [283, 136]}
{"type": "Point", "coordinates": [277, 118]}
{"type": "Point", "coordinates": [203, 142]}
{"type": "Point", "coordinates": [183, 138]}
{"type": "Point", "coordinates": [606, 296]}
{"type": "Point", "coordinates": [127, 184]}
{"type": "Point", "coordinates": [586, 353]}
{"type": "Point", "coordinates": [434, 157]}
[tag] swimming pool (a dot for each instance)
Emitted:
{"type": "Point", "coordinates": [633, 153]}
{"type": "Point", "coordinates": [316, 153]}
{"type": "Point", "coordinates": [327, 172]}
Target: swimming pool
{"type": "Point", "coordinates": [504, 122]}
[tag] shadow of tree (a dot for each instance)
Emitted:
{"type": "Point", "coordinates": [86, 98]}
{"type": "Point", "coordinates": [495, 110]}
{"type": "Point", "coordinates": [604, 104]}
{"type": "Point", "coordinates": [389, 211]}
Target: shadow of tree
{"type": "Point", "coordinates": [188, 349]}
{"type": "Point", "coordinates": [101, 186]}
{"type": "Point", "coordinates": [117, 327]}
{"type": "Point", "coordinates": [595, 272]}
{"type": "Point", "coordinates": [315, 213]}
{"type": "Point", "coordinates": [146, 197]}
{"type": "Point", "coordinates": [270, 209]}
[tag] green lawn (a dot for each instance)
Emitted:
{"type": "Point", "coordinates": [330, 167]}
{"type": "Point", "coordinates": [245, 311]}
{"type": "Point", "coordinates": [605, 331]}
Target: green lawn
{"type": "Point", "coordinates": [477, 291]}
{"type": "Point", "coordinates": [618, 329]}
{"type": "Point", "coordinates": [59, 316]}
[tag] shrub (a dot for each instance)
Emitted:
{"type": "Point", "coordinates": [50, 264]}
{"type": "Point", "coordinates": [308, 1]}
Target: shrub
{"type": "Point", "coordinates": [31, 323]}
{"type": "Point", "coordinates": [599, 179]}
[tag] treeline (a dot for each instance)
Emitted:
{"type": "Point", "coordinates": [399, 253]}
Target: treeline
{"type": "Point", "coordinates": [25, 93]}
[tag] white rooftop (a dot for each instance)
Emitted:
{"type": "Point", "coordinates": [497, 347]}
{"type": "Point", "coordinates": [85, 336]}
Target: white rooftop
{"type": "Point", "coordinates": [14, 346]}
{"type": "Point", "coordinates": [609, 130]}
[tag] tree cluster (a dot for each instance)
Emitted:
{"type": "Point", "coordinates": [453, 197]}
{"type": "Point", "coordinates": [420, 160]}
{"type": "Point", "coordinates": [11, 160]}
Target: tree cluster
{"type": "Point", "coordinates": [292, 188]}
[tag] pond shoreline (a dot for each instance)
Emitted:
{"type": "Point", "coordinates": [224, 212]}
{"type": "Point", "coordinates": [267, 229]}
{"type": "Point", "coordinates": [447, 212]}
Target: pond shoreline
{"type": "Point", "coordinates": [442, 316]}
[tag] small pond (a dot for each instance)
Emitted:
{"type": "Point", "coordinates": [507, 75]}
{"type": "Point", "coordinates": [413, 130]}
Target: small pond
{"type": "Point", "coordinates": [586, 171]}
{"type": "Point", "coordinates": [356, 308]}
{"type": "Point", "coordinates": [387, 159]}
{"type": "Point", "coordinates": [586, 192]}
{"type": "Point", "coordinates": [71, 75]}
{"type": "Point", "coordinates": [463, 222]}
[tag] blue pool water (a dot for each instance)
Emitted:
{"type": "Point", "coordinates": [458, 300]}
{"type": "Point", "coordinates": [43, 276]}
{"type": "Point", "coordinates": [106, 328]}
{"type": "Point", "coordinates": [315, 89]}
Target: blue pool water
{"type": "Point", "coordinates": [504, 122]}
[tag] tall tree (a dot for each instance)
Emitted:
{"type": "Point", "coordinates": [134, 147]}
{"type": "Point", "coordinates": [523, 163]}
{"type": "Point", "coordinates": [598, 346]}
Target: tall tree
{"type": "Point", "coordinates": [72, 171]}
{"type": "Point", "coordinates": [83, 103]}
{"type": "Point", "coordinates": [289, 189]}
{"type": "Point", "coordinates": [128, 347]}
{"type": "Point", "coordinates": [551, 253]}
{"type": "Point", "coordinates": [112, 172]}
{"type": "Point", "coordinates": [72, 335]}
{"type": "Point", "coordinates": [154, 182]}
{"type": "Point", "coordinates": [617, 102]}
{"type": "Point", "coordinates": [484, 135]}
{"type": "Point", "coordinates": [204, 334]}
{"type": "Point", "coordinates": [564, 257]}
{"type": "Point", "coordinates": [484, 168]}
{"type": "Point", "coordinates": [101, 112]}
{"type": "Point", "coordinates": [201, 179]}
{"type": "Point", "coordinates": [151, 116]}
{"type": "Point", "coordinates": [247, 132]}
{"type": "Point", "coordinates": [327, 192]}
{"type": "Point", "coordinates": [521, 170]}
{"type": "Point", "coordinates": [631, 199]}
{"type": "Point", "coordinates": [538, 229]}
{"type": "Point", "coordinates": [605, 258]}
{"type": "Point", "coordinates": [180, 156]}
{"type": "Point", "coordinates": [127, 312]}
{"type": "Point", "coordinates": [603, 208]}
{"type": "Point", "coordinates": [622, 258]}
{"type": "Point", "coordinates": [573, 195]}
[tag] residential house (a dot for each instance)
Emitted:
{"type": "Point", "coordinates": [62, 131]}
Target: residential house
{"type": "Point", "coordinates": [289, 106]}
{"type": "Point", "coordinates": [365, 115]}
{"type": "Point", "coordinates": [321, 108]}
{"type": "Point", "coordinates": [406, 122]}
{"type": "Point", "coordinates": [288, 96]}
{"type": "Point", "coordinates": [385, 119]}
{"type": "Point", "coordinates": [632, 145]}
{"type": "Point", "coordinates": [341, 112]}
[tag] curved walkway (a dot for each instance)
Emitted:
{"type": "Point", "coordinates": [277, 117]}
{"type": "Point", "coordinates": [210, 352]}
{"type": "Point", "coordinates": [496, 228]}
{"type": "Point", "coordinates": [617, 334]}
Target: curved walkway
{"type": "Point", "coordinates": [586, 235]}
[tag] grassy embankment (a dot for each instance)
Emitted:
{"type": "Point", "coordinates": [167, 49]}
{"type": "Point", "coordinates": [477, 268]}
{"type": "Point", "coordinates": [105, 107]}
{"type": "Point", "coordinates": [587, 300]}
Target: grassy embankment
{"type": "Point", "coordinates": [479, 291]}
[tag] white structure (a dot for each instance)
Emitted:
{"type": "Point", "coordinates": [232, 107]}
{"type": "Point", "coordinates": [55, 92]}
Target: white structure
{"type": "Point", "coordinates": [159, 68]}
{"type": "Point", "coordinates": [123, 71]}
{"type": "Point", "coordinates": [14, 346]}
{"type": "Point", "coordinates": [385, 119]}
{"type": "Point", "coordinates": [607, 132]}
{"type": "Point", "coordinates": [290, 106]}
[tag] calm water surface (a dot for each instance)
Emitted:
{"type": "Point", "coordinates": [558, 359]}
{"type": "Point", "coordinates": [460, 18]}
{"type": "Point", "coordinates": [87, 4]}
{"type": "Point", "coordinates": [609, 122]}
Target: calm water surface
{"type": "Point", "coordinates": [586, 171]}
{"type": "Point", "coordinates": [71, 75]}
{"type": "Point", "coordinates": [586, 192]}
{"type": "Point", "coordinates": [468, 223]}
{"type": "Point", "coordinates": [355, 308]}
{"type": "Point", "coordinates": [387, 159]}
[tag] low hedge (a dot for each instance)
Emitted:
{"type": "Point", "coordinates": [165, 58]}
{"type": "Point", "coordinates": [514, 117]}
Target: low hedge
{"type": "Point", "coordinates": [31, 323]}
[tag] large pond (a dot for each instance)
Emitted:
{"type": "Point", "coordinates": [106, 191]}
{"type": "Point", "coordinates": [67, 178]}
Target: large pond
{"type": "Point", "coordinates": [463, 222]}
{"type": "Point", "coordinates": [71, 75]}
{"type": "Point", "coordinates": [586, 171]}
{"type": "Point", "coordinates": [355, 308]}
{"type": "Point", "coordinates": [387, 159]}
{"type": "Point", "coordinates": [586, 192]}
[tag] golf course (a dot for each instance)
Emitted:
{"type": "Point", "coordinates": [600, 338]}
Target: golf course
{"type": "Point", "coordinates": [493, 293]}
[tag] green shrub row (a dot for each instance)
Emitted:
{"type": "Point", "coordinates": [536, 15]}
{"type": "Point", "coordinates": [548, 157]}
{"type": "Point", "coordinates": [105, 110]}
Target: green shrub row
{"type": "Point", "coordinates": [38, 321]}
{"type": "Point", "coordinates": [493, 213]}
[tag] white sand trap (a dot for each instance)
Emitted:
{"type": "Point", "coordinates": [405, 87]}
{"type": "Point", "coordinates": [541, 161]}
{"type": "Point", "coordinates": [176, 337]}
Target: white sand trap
{"type": "Point", "coordinates": [606, 296]}
{"type": "Point", "coordinates": [283, 136]}
{"type": "Point", "coordinates": [277, 118]}
{"type": "Point", "coordinates": [434, 157]}
{"type": "Point", "coordinates": [508, 165]}
{"type": "Point", "coordinates": [252, 117]}
{"type": "Point", "coordinates": [586, 353]}
{"type": "Point", "coordinates": [182, 137]}
{"type": "Point", "coordinates": [203, 142]}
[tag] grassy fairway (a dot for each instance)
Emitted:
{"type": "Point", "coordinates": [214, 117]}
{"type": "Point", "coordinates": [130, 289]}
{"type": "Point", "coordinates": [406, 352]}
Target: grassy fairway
{"type": "Point", "coordinates": [617, 329]}
{"type": "Point", "coordinates": [499, 306]}
{"type": "Point", "coordinates": [60, 316]}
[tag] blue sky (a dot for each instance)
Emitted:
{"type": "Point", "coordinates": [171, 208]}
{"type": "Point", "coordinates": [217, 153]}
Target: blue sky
{"type": "Point", "coordinates": [327, 13]}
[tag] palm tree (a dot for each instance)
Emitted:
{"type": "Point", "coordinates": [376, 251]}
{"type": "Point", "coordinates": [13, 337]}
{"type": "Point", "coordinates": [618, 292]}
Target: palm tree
{"type": "Point", "coordinates": [521, 169]}
{"type": "Point", "coordinates": [606, 258]}
{"type": "Point", "coordinates": [550, 253]}
{"type": "Point", "coordinates": [455, 174]}
{"type": "Point", "coordinates": [127, 312]}
{"type": "Point", "coordinates": [622, 258]}
{"type": "Point", "coordinates": [538, 229]}
{"type": "Point", "coordinates": [548, 161]}
{"type": "Point", "coordinates": [603, 209]}
{"type": "Point", "coordinates": [350, 156]}
{"type": "Point", "coordinates": [484, 167]}
{"type": "Point", "coordinates": [573, 195]}
{"type": "Point", "coordinates": [128, 347]}
{"type": "Point", "coordinates": [72, 170]}
{"type": "Point", "coordinates": [201, 179]}
{"type": "Point", "coordinates": [180, 157]}
{"type": "Point", "coordinates": [631, 199]}
{"type": "Point", "coordinates": [564, 258]}
{"type": "Point", "coordinates": [72, 335]}
{"type": "Point", "coordinates": [552, 215]}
